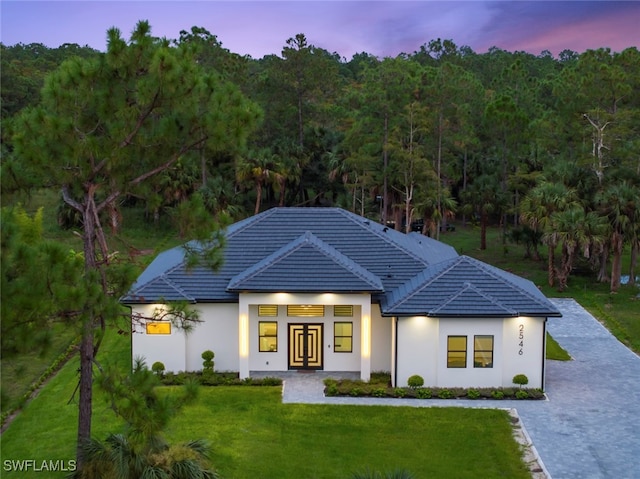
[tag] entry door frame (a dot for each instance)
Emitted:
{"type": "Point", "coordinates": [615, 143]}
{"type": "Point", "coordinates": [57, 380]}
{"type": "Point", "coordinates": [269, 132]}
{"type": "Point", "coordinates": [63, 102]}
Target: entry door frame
{"type": "Point", "coordinates": [305, 346]}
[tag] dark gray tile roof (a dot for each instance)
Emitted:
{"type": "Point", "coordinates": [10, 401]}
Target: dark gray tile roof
{"type": "Point", "coordinates": [464, 286]}
{"type": "Point", "coordinates": [307, 264]}
{"type": "Point", "coordinates": [330, 249]}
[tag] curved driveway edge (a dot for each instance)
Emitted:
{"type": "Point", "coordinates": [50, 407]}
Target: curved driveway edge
{"type": "Point", "coordinates": [590, 426]}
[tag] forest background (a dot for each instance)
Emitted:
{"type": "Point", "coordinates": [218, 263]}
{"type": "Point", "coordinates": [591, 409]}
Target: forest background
{"type": "Point", "coordinates": [548, 148]}
{"type": "Point", "coordinates": [543, 150]}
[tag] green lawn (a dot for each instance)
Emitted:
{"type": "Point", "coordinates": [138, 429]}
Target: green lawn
{"type": "Point", "coordinates": [555, 351]}
{"type": "Point", "coordinates": [254, 435]}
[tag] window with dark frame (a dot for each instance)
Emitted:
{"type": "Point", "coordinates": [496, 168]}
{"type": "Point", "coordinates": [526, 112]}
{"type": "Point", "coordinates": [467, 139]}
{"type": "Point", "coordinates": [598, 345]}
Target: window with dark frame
{"type": "Point", "coordinates": [456, 351]}
{"type": "Point", "coordinates": [343, 337]}
{"type": "Point", "coordinates": [483, 351]}
{"type": "Point", "coordinates": [268, 336]}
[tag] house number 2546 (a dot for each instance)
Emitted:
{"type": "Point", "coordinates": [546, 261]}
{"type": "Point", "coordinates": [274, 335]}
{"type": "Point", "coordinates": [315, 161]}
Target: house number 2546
{"type": "Point", "coordinates": [520, 338]}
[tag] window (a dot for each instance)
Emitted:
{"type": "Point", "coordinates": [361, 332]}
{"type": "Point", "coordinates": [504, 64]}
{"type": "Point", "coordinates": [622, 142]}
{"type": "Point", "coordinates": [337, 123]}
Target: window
{"type": "Point", "coordinates": [456, 351]}
{"type": "Point", "coordinates": [343, 337]}
{"type": "Point", "coordinates": [268, 310]}
{"type": "Point", "coordinates": [343, 310]}
{"type": "Point", "coordinates": [159, 328]}
{"type": "Point", "coordinates": [483, 351]}
{"type": "Point", "coordinates": [268, 336]}
{"type": "Point", "coordinates": [305, 310]}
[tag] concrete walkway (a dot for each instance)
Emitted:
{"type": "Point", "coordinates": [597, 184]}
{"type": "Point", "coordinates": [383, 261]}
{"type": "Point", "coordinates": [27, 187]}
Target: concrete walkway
{"type": "Point", "coordinates": [590, 426]}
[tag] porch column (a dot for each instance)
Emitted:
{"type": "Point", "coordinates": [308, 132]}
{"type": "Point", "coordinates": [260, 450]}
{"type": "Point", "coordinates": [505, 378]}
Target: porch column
{"type": "Point", "coordinates": [365, 341]}
{"type": "Point", "coordinates": [243, 338]}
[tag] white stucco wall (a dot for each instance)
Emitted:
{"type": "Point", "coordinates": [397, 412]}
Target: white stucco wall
{"type": "Point", "coordinates": [357, 360]}
{"type": "Point", "coordinates": [220, 330]}
{"type": "Point", "coordinates": [381, 340]}
{"type": "Point", "coordinates": [417, 349]}
{"type": "Point", "coordinates": [170, 349]}
{"type": "Point", "coordinates": [530, 361]}
{"type": "Point", "coordinates": [422, 349]}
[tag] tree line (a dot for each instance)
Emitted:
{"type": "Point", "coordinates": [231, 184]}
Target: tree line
{"type": "Point", "coordinates": [547, 148]}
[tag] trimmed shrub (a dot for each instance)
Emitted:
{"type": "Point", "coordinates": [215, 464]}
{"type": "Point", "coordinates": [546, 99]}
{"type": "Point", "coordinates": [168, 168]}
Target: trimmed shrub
{"type": "Point", "coordinates": [379, 392]}
{"type": "Point", "coordinates": [520, 380]}
{"type": "Point", "coordinates": [207, 364]}
{"type": "Point", "coordinates": [415, 381]}
{"type": "Point", "coordinates": [158, 368]}
{"type": "Point", "coordinates": [522, 394]}
{"type": "Point", "coordinates": [424, 393]}
{"type": "Point", "coordinates": [445, 394]}
{"type": "Point", "coordinates": [399, 392]}
{"type": "Point", "coordinates": [473, 394]}
{"type": "Point", "coordinates": [497, 394]}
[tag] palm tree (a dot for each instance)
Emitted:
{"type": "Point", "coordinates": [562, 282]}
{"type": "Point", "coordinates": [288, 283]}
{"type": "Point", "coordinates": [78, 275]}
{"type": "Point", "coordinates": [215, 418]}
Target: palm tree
{"type": "Point", "coordinates": [537, 209]}
{"type": "Point", "coordinates": [484, 197]}
{"type": "Point", "coordinates": [620, 204]}
{"type": "Point", "coordinates": [258, 167]}
{"type": "Point", "coordinates": [118, 458]}
{"type": "Point", "coordinates": [575, 229]}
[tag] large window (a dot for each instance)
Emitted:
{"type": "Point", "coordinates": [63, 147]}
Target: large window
{"type": "Point", "coordinates": [483, 351]}
{"type": "Point", "coordinates": [342, 337]}
{"type": "Point", "coordinates": [163, 327]}
{"type": "Point", "coordinates": [268, 336]}
{"type": "Point", "coordinates": [456, 351]}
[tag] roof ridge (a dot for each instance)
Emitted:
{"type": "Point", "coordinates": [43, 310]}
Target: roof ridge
{"type": "Point", "coordinates": [249, 221]}
{"type": "Point", "coordinates": [314, 241]}
{"type": "Point", "coordinates": [386, 238]}
{"type": "Point", "coordinates": [419, 285]}
{"type": "Point", "coordinates": [340, 258]}
{"type": "Point", "coordinates": [466, 287]}
{"type": "Point", "coordinates": [171, 284]}
{"type": "Point", "coordinates": [490, 269]}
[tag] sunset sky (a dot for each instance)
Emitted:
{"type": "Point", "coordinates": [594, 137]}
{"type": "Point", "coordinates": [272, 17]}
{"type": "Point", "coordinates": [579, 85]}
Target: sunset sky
{"type": "Point", "coordinates": [381, 28]}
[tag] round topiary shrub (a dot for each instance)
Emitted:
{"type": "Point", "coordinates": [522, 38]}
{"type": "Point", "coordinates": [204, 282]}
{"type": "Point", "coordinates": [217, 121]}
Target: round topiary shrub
{"type": "Point", "coordinates": [415, 381]}
{"type": "Point", "coordinates": [520, 380]}
{"type": "Point", "coordinates": [158, 368]}
{"type": "Point", "coordinates": [207, 364]}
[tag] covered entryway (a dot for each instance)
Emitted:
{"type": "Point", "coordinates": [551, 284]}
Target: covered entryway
{"type": "Point", "coordinates": [305, 346]}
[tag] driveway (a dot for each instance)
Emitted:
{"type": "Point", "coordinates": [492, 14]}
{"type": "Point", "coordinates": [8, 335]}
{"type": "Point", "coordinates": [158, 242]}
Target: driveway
{"type": "Point", "coordinates": [590, 426]}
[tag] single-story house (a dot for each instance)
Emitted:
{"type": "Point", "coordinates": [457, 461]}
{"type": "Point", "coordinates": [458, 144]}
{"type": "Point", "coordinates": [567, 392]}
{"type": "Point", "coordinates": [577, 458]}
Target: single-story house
{"type": "Point", "coordinates": [326, 289]}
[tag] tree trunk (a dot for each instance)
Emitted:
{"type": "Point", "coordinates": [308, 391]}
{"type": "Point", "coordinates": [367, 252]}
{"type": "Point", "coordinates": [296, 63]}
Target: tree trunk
{"type": "Point", "coordinates": [484, 220]}
{"type": "Point", "coordinates": [633, 263]}
{"type": "Point", "coordinates": [258, 198]}
{"type": "Point", "coordinates": [439, 173]}
{"type": "Point", "coordinates": [603, 277]}
{"type": "Point", "coordinates": [616, 264]}
{"type": "Point", "coordinates": [87, 353]}
{"type": "Point", "coordinates": [551, 265]}
{"type": "Point", "coordinates": [385, 165]}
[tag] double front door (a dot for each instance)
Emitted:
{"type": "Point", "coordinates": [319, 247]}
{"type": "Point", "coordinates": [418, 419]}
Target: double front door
{"type": "Point", "coordinates": [305, 346]}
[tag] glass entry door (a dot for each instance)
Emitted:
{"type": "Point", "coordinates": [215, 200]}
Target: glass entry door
{"type": "Point", "coordinates": [305, 346]}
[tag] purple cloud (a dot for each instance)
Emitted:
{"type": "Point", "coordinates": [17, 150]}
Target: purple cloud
{"type": "Point", "coordinates": [382, 28]}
